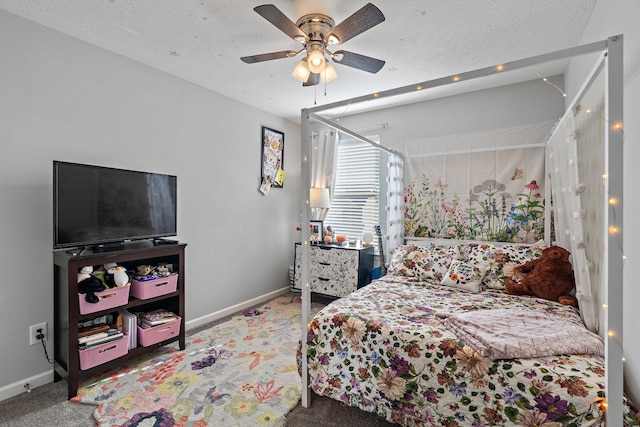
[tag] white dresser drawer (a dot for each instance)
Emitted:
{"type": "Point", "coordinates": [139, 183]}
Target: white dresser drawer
{"type": "Point", "coordinates": [333, 287]}
{"type": "Point", "coordinates": [334, 271]}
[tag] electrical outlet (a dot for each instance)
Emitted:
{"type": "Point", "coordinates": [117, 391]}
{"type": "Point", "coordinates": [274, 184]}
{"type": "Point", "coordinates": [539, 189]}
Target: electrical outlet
{"type": "Point", "coordinates": [33, 333]}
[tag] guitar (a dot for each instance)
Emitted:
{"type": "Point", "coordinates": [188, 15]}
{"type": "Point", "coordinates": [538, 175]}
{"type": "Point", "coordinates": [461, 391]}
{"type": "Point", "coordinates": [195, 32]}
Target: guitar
{"type": "Point", "coordinates": [383, 264]}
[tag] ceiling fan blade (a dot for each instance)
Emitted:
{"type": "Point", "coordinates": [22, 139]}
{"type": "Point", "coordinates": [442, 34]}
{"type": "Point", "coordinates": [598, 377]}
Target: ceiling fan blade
{"type": "Point", "coordinates": [269, 56]}
{"type": "Point", "coordinates": [314, 79]}
{"type": "Point", "coordinates": [355, 60]}
{"type": "Point", "coordinates": [280, 20]}
{"type": "Point", "coordinates": [367, 17]}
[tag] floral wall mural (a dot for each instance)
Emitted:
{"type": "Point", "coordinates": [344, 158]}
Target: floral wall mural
{"type": "Point", "coordinates": [487, 213]}
{"type": "Point", "coordinates": [485, 195]}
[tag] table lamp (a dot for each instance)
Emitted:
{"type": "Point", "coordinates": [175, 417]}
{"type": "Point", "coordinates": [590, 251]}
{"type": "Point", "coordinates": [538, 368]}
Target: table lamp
{"type": "Point", "coordinates": [319, 199]}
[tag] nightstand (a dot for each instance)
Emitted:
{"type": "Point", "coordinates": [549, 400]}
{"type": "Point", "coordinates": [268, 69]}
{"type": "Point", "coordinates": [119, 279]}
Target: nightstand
{"type": "Point", "coordinates": [336, 271]}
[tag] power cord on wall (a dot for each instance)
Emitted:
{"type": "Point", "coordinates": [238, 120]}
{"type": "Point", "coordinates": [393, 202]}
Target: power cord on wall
{"type": "Point", "coordinates": [40, 336]}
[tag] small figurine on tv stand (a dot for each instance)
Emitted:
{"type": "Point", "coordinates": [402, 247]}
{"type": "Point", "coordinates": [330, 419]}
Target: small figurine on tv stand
{"type": "Point", "coordinates": [115, 276]}
{"type": "Point", "coordinates": [85, 273]}
{"type": "Point", "coordinates": [89, 284]}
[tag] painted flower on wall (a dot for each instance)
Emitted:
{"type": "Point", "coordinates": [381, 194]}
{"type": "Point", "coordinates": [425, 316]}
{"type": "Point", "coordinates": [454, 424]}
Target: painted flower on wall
{"type": "Point", "coordinates": [489, 208]}
{"type": "Point", "coordinates": [530, 207]}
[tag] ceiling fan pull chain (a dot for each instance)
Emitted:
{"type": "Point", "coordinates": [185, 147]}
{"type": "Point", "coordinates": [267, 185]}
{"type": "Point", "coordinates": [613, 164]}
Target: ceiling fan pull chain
{"type": "Point", "coordinates": [324, 80]}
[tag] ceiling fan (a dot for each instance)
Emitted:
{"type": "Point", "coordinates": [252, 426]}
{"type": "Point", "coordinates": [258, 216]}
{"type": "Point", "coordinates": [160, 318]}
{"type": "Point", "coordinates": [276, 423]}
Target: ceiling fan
{"type": "Point", "coordinates": [316, 32]}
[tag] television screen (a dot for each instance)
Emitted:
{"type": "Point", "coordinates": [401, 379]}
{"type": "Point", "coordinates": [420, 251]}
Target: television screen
{"type": "Point", "coordinates": [94, 205]}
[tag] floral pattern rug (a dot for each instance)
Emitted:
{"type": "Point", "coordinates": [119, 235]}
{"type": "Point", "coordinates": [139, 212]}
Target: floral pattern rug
{"type": "Point", "coordinates": [241, 372]}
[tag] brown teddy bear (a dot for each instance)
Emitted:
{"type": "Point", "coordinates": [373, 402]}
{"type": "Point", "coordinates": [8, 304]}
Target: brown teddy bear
{"type": "Point", "coordinates": [549, 277]}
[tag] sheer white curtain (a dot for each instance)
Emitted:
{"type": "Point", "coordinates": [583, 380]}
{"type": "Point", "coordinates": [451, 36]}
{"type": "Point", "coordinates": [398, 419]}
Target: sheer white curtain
{"type": "Point", "coordinates": [395, 204]}
{"type": "Point", "coordinates": [567, 191]}
{"type": "Point", "coordinates": [323, 160]}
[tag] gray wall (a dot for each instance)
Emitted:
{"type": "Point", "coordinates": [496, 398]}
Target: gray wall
{"type": "Point", "coordinates": [64, 99]}
{"type": "Point", "coordinates": [609, 18]}
{"type": "Point", "coordinates": [506, 106]}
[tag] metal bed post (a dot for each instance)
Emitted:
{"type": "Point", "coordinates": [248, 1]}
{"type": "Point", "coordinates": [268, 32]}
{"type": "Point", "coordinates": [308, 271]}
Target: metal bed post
{"type": "Point", "coordinates": [305, 176]}
{"type": "Point", "coordinates": [614, 356]}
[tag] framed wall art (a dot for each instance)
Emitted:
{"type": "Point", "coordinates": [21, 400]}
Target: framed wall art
{"type": "Point", "coordinates": [316, 231]}
{"type": "Point", "coordinates": [272, 157]}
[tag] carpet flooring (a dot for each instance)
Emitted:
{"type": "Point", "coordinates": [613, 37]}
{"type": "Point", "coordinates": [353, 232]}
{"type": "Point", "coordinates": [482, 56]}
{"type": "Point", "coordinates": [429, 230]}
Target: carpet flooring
{"type": "Point", "coordinates": [48, 406]}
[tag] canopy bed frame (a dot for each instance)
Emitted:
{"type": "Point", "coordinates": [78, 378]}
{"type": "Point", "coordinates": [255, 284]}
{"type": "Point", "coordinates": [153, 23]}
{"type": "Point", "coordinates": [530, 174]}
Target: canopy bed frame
{"type": "Point", "coordinates": [612, 222]}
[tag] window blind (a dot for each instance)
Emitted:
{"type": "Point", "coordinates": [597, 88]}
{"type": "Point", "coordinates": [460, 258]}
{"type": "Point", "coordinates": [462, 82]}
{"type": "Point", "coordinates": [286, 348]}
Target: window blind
{"type": "Point", "coordinates": [356, 194]}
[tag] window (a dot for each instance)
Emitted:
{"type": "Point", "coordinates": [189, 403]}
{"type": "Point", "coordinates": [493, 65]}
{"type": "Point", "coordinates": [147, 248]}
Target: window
{"type": "Point", "coordinates": [356, 195]}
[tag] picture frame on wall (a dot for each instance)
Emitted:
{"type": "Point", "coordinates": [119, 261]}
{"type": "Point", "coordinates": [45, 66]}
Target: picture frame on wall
{"type": "Point", "coordinates": [272, 170]}
{"type": "Point", "coordinates": [316, 231]}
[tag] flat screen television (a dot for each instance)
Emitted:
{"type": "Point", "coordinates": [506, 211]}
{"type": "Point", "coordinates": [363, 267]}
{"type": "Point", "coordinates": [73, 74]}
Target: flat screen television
{"type": "Point", "coordinates": [100, 206]}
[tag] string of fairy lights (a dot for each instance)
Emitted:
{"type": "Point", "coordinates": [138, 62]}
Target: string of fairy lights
{"type": "Point", "coordinates": [614, 229]}
{"type": "Point", "coordinates": [616, 126]}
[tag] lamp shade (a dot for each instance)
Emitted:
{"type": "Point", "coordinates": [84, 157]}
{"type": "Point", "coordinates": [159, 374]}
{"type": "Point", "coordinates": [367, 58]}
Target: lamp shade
{"type": "Point", "coordinates": [316, 61]}
{"type": "Point", "coordinates": [319, 198]}
{"type": "Point", "coordinates": [329, 73]}
{"type": "Point", "coordinates": [301, 72]}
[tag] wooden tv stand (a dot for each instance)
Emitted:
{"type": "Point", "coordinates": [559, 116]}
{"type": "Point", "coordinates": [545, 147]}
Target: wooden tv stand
{"type": "Point", "coordinates": [66, 265]}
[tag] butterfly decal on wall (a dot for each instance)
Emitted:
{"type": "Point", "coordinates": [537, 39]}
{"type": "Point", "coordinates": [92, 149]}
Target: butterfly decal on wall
{"type": "Point", "coordinates": [517, 174]}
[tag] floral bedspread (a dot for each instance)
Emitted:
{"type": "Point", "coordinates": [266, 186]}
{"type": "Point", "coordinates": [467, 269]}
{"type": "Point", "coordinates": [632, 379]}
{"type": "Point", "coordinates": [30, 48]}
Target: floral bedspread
{"type": "Point", "coordinates": [384, 349]}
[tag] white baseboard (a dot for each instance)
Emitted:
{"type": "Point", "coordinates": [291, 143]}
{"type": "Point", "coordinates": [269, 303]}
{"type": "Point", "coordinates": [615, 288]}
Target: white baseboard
{"type": "Point", "coordinates": [194, 323]}
{"type": "Point", "coordinates": [19, 387]}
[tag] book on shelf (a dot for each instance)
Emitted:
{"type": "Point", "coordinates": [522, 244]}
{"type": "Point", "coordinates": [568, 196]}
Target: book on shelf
{"type": "Point", "coordinates": [97, 334]}
{"type": "Point", "coordinates": [93, 337]}
{"type": "Point", "coordinates": [129, 323]}
{"type": "Point", "coordinates": [106, 319]}
{"type": "Point", "coordinates": [102, 339]}
{"type": "Point", "coordinates": [155, 315]}
{"type": "Point", "coordinates": [92, 330]}
{"type": "Point", "coordinates": [156, 318]}
{"type": "Point", "coordinates": [150, 324]}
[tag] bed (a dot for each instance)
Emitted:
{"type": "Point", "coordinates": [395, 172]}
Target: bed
{"type": "Point", "coordinates": [419, 348]}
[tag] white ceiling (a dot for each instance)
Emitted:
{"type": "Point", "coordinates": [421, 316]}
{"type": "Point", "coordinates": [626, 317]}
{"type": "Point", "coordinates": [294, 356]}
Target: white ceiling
{"type": "Point", "coordinates": [201, 41]}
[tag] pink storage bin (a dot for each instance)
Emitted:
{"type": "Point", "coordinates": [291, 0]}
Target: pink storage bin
{"type": "Point", "coordinates": [151, 336]}
{"type": "Point", "coordinates": [153, 288]}
{"type": "Point", "coordinates": [103, 353]}
{"type": "Point", "coordinates": [109, 298]}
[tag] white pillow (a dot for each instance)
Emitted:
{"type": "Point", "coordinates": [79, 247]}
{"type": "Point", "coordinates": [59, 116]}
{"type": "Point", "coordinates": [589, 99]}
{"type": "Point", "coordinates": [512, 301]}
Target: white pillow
{"type": "Point", "coordinates": [464, 276]}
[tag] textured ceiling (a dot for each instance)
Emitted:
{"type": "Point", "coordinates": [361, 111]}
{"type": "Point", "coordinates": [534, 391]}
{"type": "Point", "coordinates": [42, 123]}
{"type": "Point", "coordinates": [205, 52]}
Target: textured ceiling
{"type": "Point", "coordinates": [201, 41]}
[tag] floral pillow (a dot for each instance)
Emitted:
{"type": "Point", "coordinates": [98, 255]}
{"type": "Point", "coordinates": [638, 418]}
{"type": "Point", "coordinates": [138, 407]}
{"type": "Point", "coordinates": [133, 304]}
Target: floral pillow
{"type": "Point", "coordinates": [501, 260]}
{"type": "Point", "coordinates": [429, 262]}
{"type": "Point", "coordinates": [410, 261]}
{"type": "Point", "coordinates": [465, 276]}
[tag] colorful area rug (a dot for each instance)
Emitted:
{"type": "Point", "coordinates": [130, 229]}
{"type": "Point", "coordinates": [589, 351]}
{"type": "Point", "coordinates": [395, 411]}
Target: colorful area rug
{"type": "Point", "coordinates": [242, 372]}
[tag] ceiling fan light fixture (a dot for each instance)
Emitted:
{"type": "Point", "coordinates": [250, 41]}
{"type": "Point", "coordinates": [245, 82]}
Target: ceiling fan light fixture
{"type": "Point", "coordinates": [302, 71]}
{"type": "Point", "coordinates": [315, 60]}
{"type": "Point", "coordinates": [329, 73]}
{"type": "Point", "coordinates": [317, 32]}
